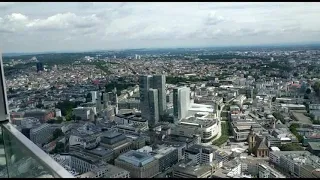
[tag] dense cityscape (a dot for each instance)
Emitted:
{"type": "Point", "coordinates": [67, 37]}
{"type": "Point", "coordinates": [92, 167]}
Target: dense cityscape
{"type": "Point", "coordinates": [175, 113]}
{"type": "Point", "coordinates": [159, 90]}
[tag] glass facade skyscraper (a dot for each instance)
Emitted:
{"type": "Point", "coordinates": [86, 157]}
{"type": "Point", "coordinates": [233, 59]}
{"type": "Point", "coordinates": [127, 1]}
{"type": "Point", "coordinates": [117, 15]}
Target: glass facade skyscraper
{"type": "Point", "coordinates": [152, 97]}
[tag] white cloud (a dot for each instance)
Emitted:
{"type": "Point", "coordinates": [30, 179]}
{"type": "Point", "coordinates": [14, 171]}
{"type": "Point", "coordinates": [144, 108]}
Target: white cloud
{"type": "Point", "coordinates": [63, 21]}
{"type": "Point", "coordinates": [109, 25]}
{"type": "Point", "coordinates": [214, 19]}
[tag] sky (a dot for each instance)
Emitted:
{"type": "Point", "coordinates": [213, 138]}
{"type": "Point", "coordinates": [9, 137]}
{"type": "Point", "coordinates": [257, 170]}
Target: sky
{"type": "Point", "coordinates": [86, 26]}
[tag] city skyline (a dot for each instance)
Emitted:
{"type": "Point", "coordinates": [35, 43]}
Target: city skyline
{"type": "Point", "coordinates": [39, 27]}
{"type": "Point", "coordinates": [162, 113]}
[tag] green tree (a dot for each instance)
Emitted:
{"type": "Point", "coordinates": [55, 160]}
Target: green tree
{"type": "Point", "coordinates": [291, 147]}
{"type": "Point", "coordinates": [312, 117]}
{"type": "Point", "coordinates": [316, 87]}
{"type": "Point", "coordinates": [308, 91]}
{"type": "Point", "coordinates": [59, 119]}
{"type": "Point", "coordinates": [119, 86]}
{"type": "Point", "coordinates": [68, 117]}
{"type": "Point", "coordinates": [66, 106]}
{"type": "Point", "coordinates": [10, 90]}
{"type": "Point", "coordinates": [225, 133]}
{"type": "Point", "coordinates": [293, 128]}
{"type": "Point", "coordinates": [39, 106]}
{"type": "Point", "coordinates": [57, 133]}
{"type": "Point", "coordinates": [59, 148]}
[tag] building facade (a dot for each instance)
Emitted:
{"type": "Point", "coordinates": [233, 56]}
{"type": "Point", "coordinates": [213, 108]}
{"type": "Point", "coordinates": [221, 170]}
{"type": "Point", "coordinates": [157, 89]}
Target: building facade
{"type": "Point", "coordinates": [140, 165]}
{"type": "Point", "coordinates": [181, 102]}
{"type": "Point", "coordinates": [152, 97]}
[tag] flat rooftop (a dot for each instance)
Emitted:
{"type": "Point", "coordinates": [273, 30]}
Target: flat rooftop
{"type": "Point", "coordinates": [84, 157]}
{"type": "Point", "coordinates": [194, 170]}
{"type": "Point", "coordinates": [112, 170]}
{"type": "Point", "coordinates": [301, 117]}
{"type": "Point", "coordinates": [162, 151]}
{"type": "Point", "coordinates": [195, 149]}
{"type": "Point", "coordinates": [314, 146]}
{"type": "Point", "coordinates": [110, 134]}
{"type": "Point", "coordinates": [201, 108]}
{"type": "Point", "coordinates": [101, 151]}
{"type": "Point", "coordinates": [221, 173]}
{"type": "Point", "coordinates": [175, 139]}
{"type": "Point", "coordinates": [293, 105]}
{"type": "Point", "coordinates": [136, 158]}
{"type": "Point", "coordinates": [195, 121]}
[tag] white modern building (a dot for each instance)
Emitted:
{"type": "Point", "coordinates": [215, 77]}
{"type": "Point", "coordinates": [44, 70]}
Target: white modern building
{"type": "Point", "coordinates": [58, 113]}
{"type": "Point", "coordinates": [206, 128]}
{"type": "Point", "coordinates": [94, 96]}
{"type": "Point", "coordinates": [181, 102]}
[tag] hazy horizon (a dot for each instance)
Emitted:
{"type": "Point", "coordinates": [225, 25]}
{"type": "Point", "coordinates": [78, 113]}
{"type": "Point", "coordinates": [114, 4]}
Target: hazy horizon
{"type": "Point", "coordinates": [206, 47]}
{"type": "Point", "coordinates": [36, 27]}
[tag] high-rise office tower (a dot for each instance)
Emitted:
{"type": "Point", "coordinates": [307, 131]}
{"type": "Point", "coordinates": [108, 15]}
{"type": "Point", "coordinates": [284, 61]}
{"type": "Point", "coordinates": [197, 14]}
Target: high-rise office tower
{"type": "Point", "coordinates": [181, 102]}
{"type": "Point", "coordinates": [105, 98]}
{"type": "Point", "coordinates": [175, 100]}
{"type": "Point", "coordinates": [102, 100]}
{"type": "Point", "coordinates": [159, 83]}
{"type": "Point", "coordinates": [94, 96]}
{"type": "Point", "coordinates": [147, 99]}
{"type": "Point", "coordinates": [144, 86]}
{"type": "Point", "coordinates": [39, 66]}
{"type": "Point", "coordinates": [153, 107]}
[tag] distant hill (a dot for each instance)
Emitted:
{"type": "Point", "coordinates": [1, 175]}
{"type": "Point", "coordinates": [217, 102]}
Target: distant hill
{"type": "Point", "coordinates": [16, 54]}
{"type": "Point", "coordinates": [312, 45]}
